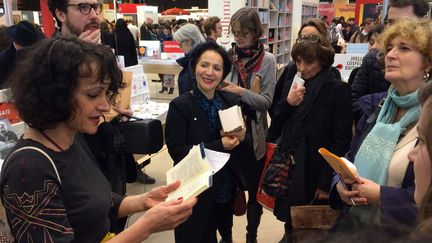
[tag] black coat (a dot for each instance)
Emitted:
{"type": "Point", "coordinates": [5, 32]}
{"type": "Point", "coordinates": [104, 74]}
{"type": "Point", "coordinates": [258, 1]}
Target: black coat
{"type": "Point", "coordinates": [7, 62]}
{"type": "Point", "coordinates": [187, 125]}
{"type": "Point", "coordinates": [123, 43]}
{"type": "Point", "coordinates": [370, 77]}
{"type": "Point", "coordinates": [327, 123]}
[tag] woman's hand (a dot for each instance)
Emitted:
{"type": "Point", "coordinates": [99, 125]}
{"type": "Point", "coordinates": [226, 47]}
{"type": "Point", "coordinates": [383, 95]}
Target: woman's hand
{"type": "Point", "coordinates": [296, 95]}
{"type": "Point", "coordinates": [232, 87]}
{"type": "Point", "coordinates": [350, 196]}
{"type": "Point", "coordinates": [163, 216]}
{"type": "Point", "coordinates": [229, 143]}
{"type": "Point", "coordinates": [168, 215]}
{"type": "Point", "coordinates": [321, 194]}
{"type": "Point", "coordinates": [125, 112]}
{"type": "Point", "coordinates": [158, 195]}
{"type": "Point", "coordinates": [369, 190]}
{"type": "Point", "coordinates": [238, 134]}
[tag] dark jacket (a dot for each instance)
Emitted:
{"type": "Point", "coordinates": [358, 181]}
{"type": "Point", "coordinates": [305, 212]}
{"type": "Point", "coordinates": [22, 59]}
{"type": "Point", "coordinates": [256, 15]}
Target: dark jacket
{"type": "Point", "coordinates": [187, 125]}
{"type": "Point", "coordinates": [289, 72]}
{"type": "Point", "coordinates": [397, 204]}
{"type": "Point", "coordinates": [123, 43]}
{"type": "Point", "coordinates": [186, 76]}
{"type": "Point", "coordinates": [7, 62]}
{"type": "Point", "coordinates": [369, 79]}
{"type": "Point", "coordinates": [327, 123]}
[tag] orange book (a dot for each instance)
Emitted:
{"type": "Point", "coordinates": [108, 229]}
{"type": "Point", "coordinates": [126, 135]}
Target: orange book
{"type": "Point", "coordinates": [340, 165]}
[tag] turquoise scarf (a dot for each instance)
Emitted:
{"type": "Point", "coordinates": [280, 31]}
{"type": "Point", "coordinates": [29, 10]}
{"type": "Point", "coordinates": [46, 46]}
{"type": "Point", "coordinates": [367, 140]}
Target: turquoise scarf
{"type": "Point", "coordinates": [377, 149]}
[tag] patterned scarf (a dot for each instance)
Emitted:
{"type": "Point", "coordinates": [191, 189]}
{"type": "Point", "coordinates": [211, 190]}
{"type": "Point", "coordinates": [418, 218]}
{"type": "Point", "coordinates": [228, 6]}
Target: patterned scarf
{"type": "Point", "coordinates": [256, 55]}
{"type": "Point", "coordinates": [377, 149]}
{"type": "Point", "coordinates": [209, 107]}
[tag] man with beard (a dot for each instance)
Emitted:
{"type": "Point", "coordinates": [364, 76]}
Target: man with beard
{"type": "Point", "coordinates": [77, 17]}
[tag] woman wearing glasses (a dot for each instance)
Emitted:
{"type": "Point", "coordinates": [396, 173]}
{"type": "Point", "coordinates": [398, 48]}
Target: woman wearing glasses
{"type": "Point", "coordinates": [313, 115]}
{"type": "Point", "coordinates": [188, 36]}
{"type": "Point", "coordinates": [253, 80]}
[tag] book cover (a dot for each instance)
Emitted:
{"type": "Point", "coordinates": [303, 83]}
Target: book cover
{"type": "Point", "coordinates": [231, 119]}
{"type": "Point", "coordinates": [194, 174]}
{"type": "Point", "coordinates": [340, 165]}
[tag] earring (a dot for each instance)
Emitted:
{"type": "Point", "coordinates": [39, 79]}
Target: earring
{"type": "Point", "coordinates": [426, 76]}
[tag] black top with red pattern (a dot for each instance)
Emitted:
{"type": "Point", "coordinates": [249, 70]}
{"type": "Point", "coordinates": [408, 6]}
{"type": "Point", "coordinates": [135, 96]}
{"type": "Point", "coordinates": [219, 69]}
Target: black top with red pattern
{"type": "Point", "coordinates": [41, 209]}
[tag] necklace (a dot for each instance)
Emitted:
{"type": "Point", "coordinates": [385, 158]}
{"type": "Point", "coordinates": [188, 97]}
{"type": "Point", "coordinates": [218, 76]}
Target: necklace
{"type": "Point", "coordinates": [51, 141]}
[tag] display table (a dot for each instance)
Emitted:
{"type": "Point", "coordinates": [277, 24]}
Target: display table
{"type": "Point", "coordinates": [161, 66]}
{"type": "Point", "coordinates": [151, 110]}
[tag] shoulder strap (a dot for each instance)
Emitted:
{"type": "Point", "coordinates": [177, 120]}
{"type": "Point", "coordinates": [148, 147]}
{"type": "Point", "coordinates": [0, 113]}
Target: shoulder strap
{"type": "Point", "coordinates": [8, 233]}
{"type": "Point", "coordinates": [36, 149]}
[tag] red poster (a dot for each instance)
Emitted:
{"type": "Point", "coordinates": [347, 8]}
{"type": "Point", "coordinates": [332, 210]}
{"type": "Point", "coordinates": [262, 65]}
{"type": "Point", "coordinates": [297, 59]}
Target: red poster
{"type": "Point", "coordinates": [172, 47]}
{"type": "Point", "coordinates": [7, 110]}
{"type": "Point", "coordinates": [326, 10]}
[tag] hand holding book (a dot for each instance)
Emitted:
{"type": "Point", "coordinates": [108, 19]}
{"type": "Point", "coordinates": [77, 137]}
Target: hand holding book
{"type": "Point", "coordinates": [348, 176]}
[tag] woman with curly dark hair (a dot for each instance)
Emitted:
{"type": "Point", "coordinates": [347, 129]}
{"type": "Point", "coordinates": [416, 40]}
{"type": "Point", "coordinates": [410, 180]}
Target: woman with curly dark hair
{"type": "Point", "coordinates": [61, 88]}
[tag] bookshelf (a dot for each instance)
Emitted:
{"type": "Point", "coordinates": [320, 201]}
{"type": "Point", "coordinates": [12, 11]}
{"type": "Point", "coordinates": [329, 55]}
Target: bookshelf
{"type": "Point", "coordinates": [309, 10]}
{"type": "Point", "coordinates": [276, 18]}
{"type": "Point", "coordinates": [281, 20]}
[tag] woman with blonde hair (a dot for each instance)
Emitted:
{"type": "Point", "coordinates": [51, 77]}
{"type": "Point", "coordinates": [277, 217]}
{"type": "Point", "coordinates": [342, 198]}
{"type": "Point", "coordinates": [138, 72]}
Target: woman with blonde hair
{"type": "Point", "coordinates": [385, 135]}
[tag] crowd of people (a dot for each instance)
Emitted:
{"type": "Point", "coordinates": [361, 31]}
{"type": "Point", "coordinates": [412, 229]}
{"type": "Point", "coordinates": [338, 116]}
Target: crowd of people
{"type": "Point", "coordinates": [76, 79]}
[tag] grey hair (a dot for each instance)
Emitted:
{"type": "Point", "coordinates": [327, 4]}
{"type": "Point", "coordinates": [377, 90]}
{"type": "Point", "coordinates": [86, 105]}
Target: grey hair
{"type": "Point", "coordinates": [189, 31]}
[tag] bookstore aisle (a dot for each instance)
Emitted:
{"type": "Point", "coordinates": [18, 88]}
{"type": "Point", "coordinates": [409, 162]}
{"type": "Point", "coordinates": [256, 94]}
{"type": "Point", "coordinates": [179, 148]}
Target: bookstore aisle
{"type": "Point", "coordinates": [270, 230]}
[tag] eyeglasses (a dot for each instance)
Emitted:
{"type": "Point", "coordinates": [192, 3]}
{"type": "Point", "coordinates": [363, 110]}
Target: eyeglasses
{"type": "Point", "coordinates": [314, 39]}
{"type": "Point", "coordinates": [239, 33]}
{"type": "Point", "coordinates": [85, 8]}
{"type": "Point", "coordinates": [181, 43]}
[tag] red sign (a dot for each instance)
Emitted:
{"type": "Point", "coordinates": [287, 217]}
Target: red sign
{"type": "Point", "coordinates": [126, 8]}
{"type": "Point", "coordinates": [172, 46]}
{"type": "Point", "coordinates": [327, 10]}
{"type": "Point", "coordinates": [7, 110]}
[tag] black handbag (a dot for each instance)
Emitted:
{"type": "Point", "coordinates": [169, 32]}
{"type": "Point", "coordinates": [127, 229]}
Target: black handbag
{"type": "Point", "coordinates": [142, 136]}
{"type": "Point", "coordinates": [278, 175]}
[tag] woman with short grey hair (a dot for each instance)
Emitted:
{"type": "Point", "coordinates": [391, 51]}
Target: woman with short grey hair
{"type": "Point", "coordinates": [188, 37]}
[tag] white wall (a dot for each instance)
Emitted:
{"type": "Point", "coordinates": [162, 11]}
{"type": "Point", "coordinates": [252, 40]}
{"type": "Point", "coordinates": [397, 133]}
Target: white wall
{"type": "Point", "coordinates": [224, 9]}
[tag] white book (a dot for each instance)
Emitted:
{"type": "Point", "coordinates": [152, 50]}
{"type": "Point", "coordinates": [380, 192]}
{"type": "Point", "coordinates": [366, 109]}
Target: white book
{"type": "Point", "coordinates": [231, 119]}
{"type": "Point", "coordinates": [195, 172]}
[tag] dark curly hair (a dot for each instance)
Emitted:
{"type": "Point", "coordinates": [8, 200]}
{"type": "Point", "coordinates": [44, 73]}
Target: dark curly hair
{"type": "Point", "coordinates": [210, 46]}
{"type": "Point", "coordinates": [44, 82]}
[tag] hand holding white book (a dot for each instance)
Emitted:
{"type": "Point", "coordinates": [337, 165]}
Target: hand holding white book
{"type": "Point", "coordinates": [231, 119]}
{"type": "Point", "coordinates": [195, 172]}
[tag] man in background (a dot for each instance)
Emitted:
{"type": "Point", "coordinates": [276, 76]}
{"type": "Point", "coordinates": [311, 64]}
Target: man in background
{"type": "Point", "coordinates": [406, 8]}
{"type": "Point", "coordinates": [212, 28]}
{"type": "Point", "coordinates": [21, 35]}
{"type": "Point", "coordinates": [134, 30]}
{"type": "Point", "coordinates": [146, 28]}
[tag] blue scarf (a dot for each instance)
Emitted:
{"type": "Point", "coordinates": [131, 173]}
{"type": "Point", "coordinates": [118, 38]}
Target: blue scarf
{"type": "Point", "coordinates": [210, 108]}
{"type": "Point", "coordinates": [378, 147]}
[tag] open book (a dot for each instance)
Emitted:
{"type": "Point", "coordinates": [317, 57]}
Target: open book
{"type": "Point", "coordinates": [231, 119]}
{"type": "Point", "coordinates": [195, 172]}
{"type": "Point", "coordinates": [340, 165]}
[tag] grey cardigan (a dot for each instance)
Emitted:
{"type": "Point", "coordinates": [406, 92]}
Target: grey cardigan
{"type": "Point", "coordinates": [261, 101]}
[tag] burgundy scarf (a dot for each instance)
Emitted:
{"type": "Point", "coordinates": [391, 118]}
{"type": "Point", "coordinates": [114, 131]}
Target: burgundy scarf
{"type": "Point", "coordinates": [256, 55]}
